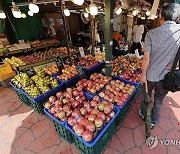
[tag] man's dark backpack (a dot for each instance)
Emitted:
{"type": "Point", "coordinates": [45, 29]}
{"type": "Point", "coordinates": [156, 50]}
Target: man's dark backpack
{"type": "Point", "coordinates": [172, 79]}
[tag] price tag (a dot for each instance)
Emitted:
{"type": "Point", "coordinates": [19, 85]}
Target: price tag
{"type": "Point", "coordinates": [137, 53]}
{"type": "Point", "coordinates": [34, 49]}
{"type": "Point", "coordinates": [81, 71]}
{"type": "Point", "coordinates": [6, 53]}
{"type": "Point", "coordinates": [59, 65]}
{"type": "Point", "coordinates": [30, 71]}
{"type": "Point", "coordinates": [25, 50]}
{"type": "Point", "coordinates": [121, 66]}
{"type": "Point", "coordinates": [128, 58]}
{"type": "Point", "coordinates": [81, 50]}
{"type": "Point", "coordinates": [46, 49]}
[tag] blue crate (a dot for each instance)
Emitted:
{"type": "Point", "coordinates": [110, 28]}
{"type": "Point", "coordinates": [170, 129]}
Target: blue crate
{"type": "Point", "coordinates": [135, 83]}
{"type": "Point", "coordinates": [94, 141]}
{"type": "Point", "coordinates": [15, 88]}
{"type": "Point", "coordinates": [45, 95]}
{"type": "Point", "coordinates": [120, 107]}
{"type": "Point", "coordinates": [93, 69]}
{"type": "Point", "coordinates": [53, 118]}
{"type": "Point", "coordinates": [70, 82]}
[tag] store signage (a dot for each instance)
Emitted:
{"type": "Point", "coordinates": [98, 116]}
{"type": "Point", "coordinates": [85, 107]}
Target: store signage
{"type": "Point", "coordinates": [81, 50]}
{"type": "Point", "coordinates": [6, 53]}
{"type": "Point", "coordinates": [121, 66]}
{"type": "Point", "coordinates": [30, 71]}
{"type": "Point", "coordinates": [59, 65]}
{"type": "Point", "coordinates": [81, 71]}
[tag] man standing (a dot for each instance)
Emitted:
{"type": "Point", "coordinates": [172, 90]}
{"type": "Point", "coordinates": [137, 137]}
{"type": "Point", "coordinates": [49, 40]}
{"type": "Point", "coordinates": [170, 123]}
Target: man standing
{"type": "Point", "coordinates": [160, 48]}
{"type": "Point", "coordinates": [138, 31]}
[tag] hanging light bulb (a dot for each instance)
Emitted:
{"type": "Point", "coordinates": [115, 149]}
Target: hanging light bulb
{"type": "Point", "coordinates": [93, 9]}
{"type": "Point", "coordinates": [135, 12]}
{"type": "Point", "coordinates": [2, 14]}
{"type": "Point", "coordinates": [16, 12]}
{"type": "Point", "coordinates": [33, 7]}
{"type": "Point", "coordinates": [148, 13]}
{"type": "Point", "coordinates": [30, 13]}
{"type": "Point", "coordinates": [86, 15]}
{"type": "Point", "coordinates": [66, 12]}
{"type": "Point", "coordinates": [118, 10]}
{"type": "Point", "coordinates": [78, 2]}
{"type": "Point", "coordinates": [155, 16]}
{"type": "Point", "coordinates": [143, 17]}
{"type": "Point", "coordinates": [23, 15]}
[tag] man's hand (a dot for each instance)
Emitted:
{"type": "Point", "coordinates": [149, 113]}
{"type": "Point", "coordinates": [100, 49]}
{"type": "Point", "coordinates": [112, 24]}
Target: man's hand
{"type": "Point", "coordinates": [143, 79]}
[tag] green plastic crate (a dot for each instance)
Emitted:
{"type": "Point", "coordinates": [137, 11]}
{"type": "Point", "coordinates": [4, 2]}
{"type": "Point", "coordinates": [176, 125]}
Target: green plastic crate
{"type": "Point", "coordinates": [64, 133]}
{"type": "Point", "coordinates": [101, 143]}
{"type": "Point", "coordinates": [23, 98]}
{"type": "Point", "coordinates": [122, 114]}
{"type": "Point", "coordinates": [38, 107]}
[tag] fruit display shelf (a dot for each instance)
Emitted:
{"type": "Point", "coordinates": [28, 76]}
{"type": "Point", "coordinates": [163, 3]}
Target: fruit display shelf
{"type": "Point", "coordinates": [98, 145]}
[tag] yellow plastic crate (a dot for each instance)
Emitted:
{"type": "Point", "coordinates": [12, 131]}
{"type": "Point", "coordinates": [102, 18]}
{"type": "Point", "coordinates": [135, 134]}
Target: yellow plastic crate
{"type": "Point", "coordinates": [6, 71]}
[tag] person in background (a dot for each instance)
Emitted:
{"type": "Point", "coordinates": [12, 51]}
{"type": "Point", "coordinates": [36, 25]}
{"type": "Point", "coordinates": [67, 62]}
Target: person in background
{"type": "Point", "coordinates": [160, 48]}
{"type": "Point", "coordinates": [138, 31]}
{"type": "Point", "coordinates": [117, 38]}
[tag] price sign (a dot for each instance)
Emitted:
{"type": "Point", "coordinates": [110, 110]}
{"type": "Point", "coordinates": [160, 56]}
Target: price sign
{"type": "Point", "coordinates": [59, 65]}
{"type": "Point", "coordinates": [81, 71]}
{"type": "Point", "coordinates": [128, 58]}
{"type": "Point", "coordinates": [30, 71]}
{"type": "Point", "coordinates": [34, 49]}
{"type": "Point", "coordinates": [121, 66]}
{"type": "Point", "coordinates": [81, 50]}
{"type": "Point", "coordinates": [6, 53]}
{"type": "Point", "coordinates": [25, 50]}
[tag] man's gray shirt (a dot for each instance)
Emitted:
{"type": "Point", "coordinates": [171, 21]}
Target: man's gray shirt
{"type": "Point", "coordinates": [162, 43]}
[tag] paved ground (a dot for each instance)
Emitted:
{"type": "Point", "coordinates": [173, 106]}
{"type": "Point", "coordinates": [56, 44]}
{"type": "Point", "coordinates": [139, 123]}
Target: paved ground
{"type": "Point", "coordinates": [24, 131]}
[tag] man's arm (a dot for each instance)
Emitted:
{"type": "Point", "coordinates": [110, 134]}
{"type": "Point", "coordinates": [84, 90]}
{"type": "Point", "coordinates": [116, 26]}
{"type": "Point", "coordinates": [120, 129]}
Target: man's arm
{"type": "Point", "coordinates": [145, 64]}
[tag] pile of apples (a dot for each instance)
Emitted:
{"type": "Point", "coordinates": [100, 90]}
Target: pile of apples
{"type": "Point", "coordinates": [30, 59]}
{"type": "Point", "coordinates": [85, 118]}
{"type": "Point", "coordinates": [117, 92]}
{"type": "Point", "coordinates": [96, 83]}
{"type": "Point", "coordinates": [53, 69]}
{"type": "Point", "coordinates": [131, 76]}
{"type": "Point", "coordinates": [68, 72]}
{"type": "Point", "coordinates": [64, 50]}
{"type": "Point", "coordinates": [66, 104]}
{"type": "Point", "coordinates": [91, 119]}
{"type": "Point", "coordinates": [88, 62]}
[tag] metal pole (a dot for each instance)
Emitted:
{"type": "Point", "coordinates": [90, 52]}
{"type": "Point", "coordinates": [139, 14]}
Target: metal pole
{"type": "Point", "coordinates": [66, 28]}
{"type": "Point", "coordinates": [108, 35]}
